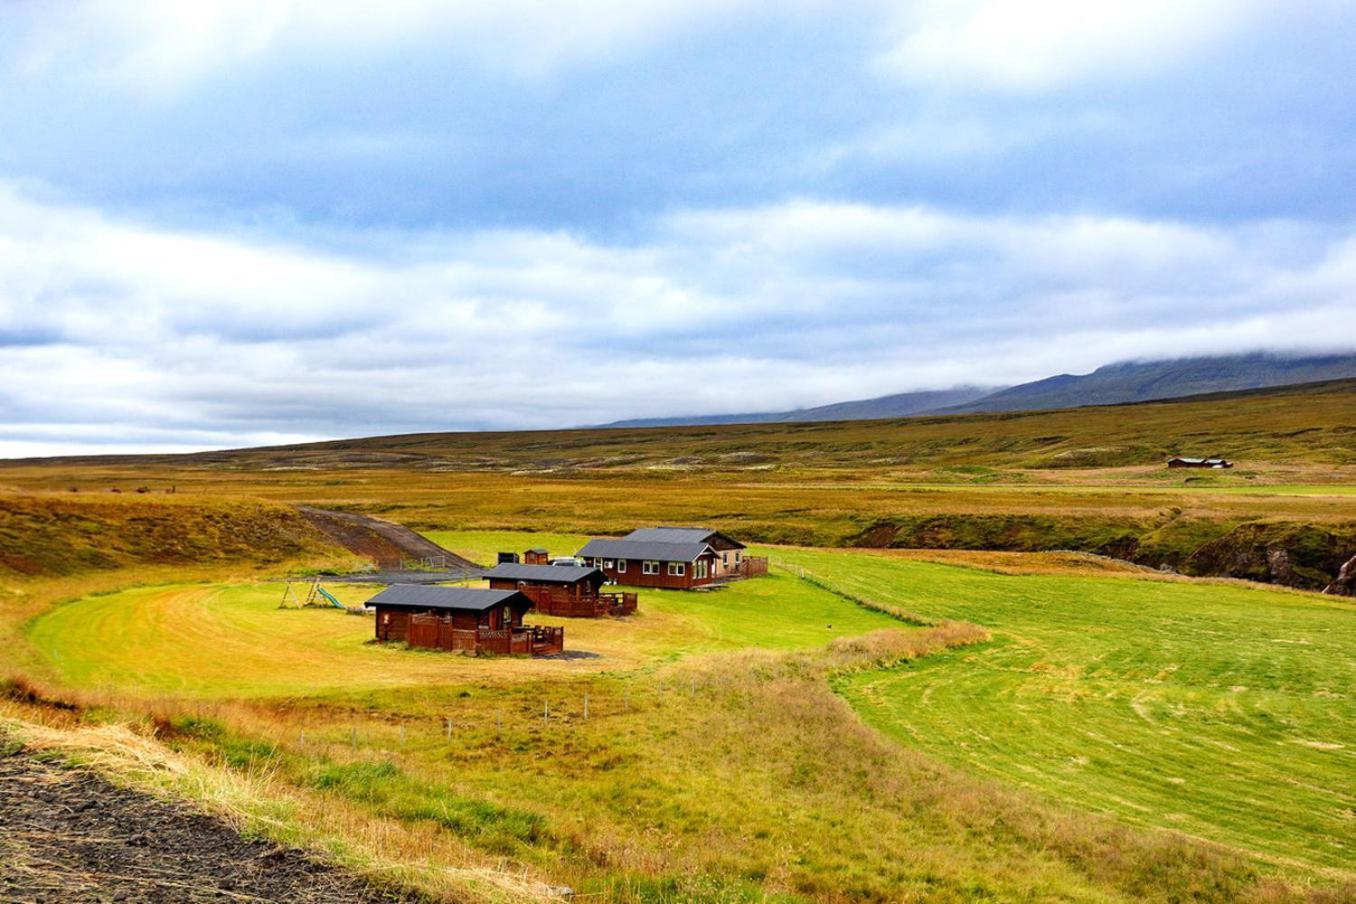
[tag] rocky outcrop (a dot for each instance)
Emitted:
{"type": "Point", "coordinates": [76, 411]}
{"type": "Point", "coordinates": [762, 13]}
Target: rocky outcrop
{"type": "Point", "coordinates": [1345, 582]}
{"type": "Point", "coordinates": [1288, 553]}
{"type": "Point", "coordinates": [1305, 556]}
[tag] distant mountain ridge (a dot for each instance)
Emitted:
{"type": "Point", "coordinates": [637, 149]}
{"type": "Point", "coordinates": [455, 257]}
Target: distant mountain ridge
{"type": "Point", "coordinates": [904, 404]}
{"type": "Point", "coordinates": [1112, 384]}
{"type": "Point", "coordinates": [1147, 381]}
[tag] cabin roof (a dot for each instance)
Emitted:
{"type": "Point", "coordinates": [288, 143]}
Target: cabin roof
{"type": "Point", "coordinates": [543, 574]}
{"type": "Point", "coordinates": [426, 596]}
{"type": "Point", "coordinates": [679, 535]}
{"type": "Point", "coordinates": [644, 549]}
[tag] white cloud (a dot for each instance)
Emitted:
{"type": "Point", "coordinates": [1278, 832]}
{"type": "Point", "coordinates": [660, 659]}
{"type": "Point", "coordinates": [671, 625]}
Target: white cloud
{"type": "Point", "coordinates": [164, 47]}
{"type": "Point", "coordinates": [1036, 44]}
{"type": "Point", "coordinates": [166, 338]}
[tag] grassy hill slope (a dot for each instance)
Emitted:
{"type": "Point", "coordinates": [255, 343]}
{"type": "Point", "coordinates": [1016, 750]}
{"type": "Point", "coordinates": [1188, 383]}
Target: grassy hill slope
{"type": "Point", "coordinates": [1090, 479]}
{"type": "Point", "coordinates": [54, 535]}
{"type": "Point", "coordinates": [1310, 423]}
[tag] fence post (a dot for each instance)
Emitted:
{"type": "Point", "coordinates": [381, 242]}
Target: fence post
{"type": "Point", "coordinates": [545, 710]}
{"type": "Point", "coordinates": [448, 720]}
{"type": "Point", "coordinates": [586, 706]}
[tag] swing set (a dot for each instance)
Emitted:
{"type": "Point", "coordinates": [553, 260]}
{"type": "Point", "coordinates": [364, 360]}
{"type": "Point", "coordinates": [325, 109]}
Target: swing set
{"type": "Point", "coordinates": [316, 595]}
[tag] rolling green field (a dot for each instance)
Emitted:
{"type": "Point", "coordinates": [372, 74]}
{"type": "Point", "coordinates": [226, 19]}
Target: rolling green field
{"type": "Point", "coordinates": [1223, 712]}
{"type": "Point", "coordinates": [221, 641]}
{"type": "Point", "coordinates": [704, 759]}
{"type": "Point", "coordinates": [1220, 711]}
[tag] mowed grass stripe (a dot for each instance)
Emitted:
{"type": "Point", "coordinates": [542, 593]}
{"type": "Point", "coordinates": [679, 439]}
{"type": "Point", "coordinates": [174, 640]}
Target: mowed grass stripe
{"type": "Point", "coordinates": [232, 640]}
{"type": "Point", "coordinates": [1221, 711]}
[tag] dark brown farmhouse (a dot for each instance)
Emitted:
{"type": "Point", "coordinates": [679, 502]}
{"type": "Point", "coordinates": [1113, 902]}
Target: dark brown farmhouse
{"type": "Point", "coordinates": [462, 619]}
{"type": "Point", "coordinates": [680, 558]}
{"type": "Point", "coordinates": [1180, 462]}
{"type": "Point", "coordinates": [574, 591]}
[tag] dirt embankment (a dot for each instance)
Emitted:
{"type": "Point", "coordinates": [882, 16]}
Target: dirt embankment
{"type": "Point", "coordinates": [384, 542]}
{"type": "Point", "coordinates": [67, 835]}
{"type": "Point", "coordinates": [1293, 554]}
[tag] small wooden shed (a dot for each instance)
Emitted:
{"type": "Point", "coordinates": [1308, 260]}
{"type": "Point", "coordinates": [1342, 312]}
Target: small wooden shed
{"type": "Point", "coordinates": [464, 619]}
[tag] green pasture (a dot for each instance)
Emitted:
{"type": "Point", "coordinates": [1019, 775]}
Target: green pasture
{"type": "Point", "coordinates": [1221, 711]}
{"type": "Point", "coordinates": [205, 640]}
{"type": "Point", "coordinates": [1225, 712]}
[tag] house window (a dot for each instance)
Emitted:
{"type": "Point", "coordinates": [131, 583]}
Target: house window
{"type": "Point", "coordinates": [699, 570]}
{"type": "Point", "coordinates": [677, 569]}
{"type": "Point", "coordinates": [649, 567]}
{"type": "Point", "coordinates": [607, 563]}
{"type": "Point", "coordinates": [736, 557]}
{"type": "Point", "coordinates": [725, 558]}
{"type": "Point", "coordinates": [621, 566]}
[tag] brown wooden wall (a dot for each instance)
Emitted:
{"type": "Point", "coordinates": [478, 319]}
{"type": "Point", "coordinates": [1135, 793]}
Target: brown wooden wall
{"type": "Point", "coordinates": [634, 575]}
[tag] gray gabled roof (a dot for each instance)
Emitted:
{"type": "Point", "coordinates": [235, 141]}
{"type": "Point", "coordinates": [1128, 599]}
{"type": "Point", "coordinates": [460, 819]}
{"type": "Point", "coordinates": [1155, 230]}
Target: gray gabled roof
{"type": "Point", "coordinates": [678, 535]}
{"type": "Point", "coordinates": [640, 549]}
{"type": "Point", "coordinates": [425, 596]}
{"type": "Point", "coordinates": [543, 574]}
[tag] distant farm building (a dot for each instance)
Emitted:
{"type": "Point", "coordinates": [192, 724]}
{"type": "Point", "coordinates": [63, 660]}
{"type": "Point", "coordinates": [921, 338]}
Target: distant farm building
{"type": "Point", "coordinates": [673, 557]}
{"type": "Point", "coordinates": [461, 619]}
{"type": "Point", "coordinates": [1180, 462]}
{"type": "Point", "coordinates": [574, 591]}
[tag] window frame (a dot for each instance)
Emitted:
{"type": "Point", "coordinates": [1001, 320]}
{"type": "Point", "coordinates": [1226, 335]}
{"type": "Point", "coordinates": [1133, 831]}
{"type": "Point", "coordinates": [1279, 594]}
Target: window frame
{"type": "Point", "coordinates": [649, 566]}
{"type": "Point", "coordinates": [677, 569]}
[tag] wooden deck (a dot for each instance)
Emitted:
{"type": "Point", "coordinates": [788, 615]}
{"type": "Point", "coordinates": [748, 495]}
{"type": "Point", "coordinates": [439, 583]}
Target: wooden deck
{"type": "Point", "coordinates": [527, 640]}
{"type": "Point", "coordinates": [561, 602]}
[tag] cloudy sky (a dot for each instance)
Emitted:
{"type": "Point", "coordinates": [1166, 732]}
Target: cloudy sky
{"type": "Point", "coordinates": [233, 222]}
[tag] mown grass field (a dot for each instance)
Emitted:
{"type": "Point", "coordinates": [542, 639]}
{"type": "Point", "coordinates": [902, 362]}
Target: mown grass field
{"type": "Point", "coordinates": [1225, 712]}
{"type": "Point", "coordinates": [1220, 711]}
{"type": "Point", "coordinates": [781, 740]}
{"type": "Point", "coordinates": [221, 641]}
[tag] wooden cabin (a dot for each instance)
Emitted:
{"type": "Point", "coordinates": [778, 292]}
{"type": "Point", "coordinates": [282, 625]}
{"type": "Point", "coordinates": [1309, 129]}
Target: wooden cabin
{"type": "Point", "coordinates": [573, 591]}
{"type": "Point", "coordinates": [462, 619]}
{"type": "Point", "coordinates": [679, 558]}
{"type": "Point", "coordinates": [1180, 462]}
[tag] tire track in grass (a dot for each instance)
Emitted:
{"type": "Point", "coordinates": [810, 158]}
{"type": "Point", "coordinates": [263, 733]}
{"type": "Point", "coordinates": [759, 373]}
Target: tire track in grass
{"type": "Point", "coordinates": [1171, 705]}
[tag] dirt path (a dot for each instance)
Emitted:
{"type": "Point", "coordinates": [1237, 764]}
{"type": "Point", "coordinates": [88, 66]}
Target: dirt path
{"type": "Point", "coordinates": [385, 542]}
{"type": "Point", "coordinates": [67, 835]}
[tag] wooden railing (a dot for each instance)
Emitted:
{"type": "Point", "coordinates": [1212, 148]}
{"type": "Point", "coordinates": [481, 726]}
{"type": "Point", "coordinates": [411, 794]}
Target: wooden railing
{"type": "Point", "coordinates": [527, 640]}
{"type": "Point", "coordinates": [560, 601]}
{"type": "Point", "coordinates": [618, 603]}
{"type": "Point", "coordinates": [545, 638]}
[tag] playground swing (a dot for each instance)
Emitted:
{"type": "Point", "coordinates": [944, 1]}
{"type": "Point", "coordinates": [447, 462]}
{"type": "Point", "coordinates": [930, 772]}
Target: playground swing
{"type": "Point", "coordinates": [316, 595]}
